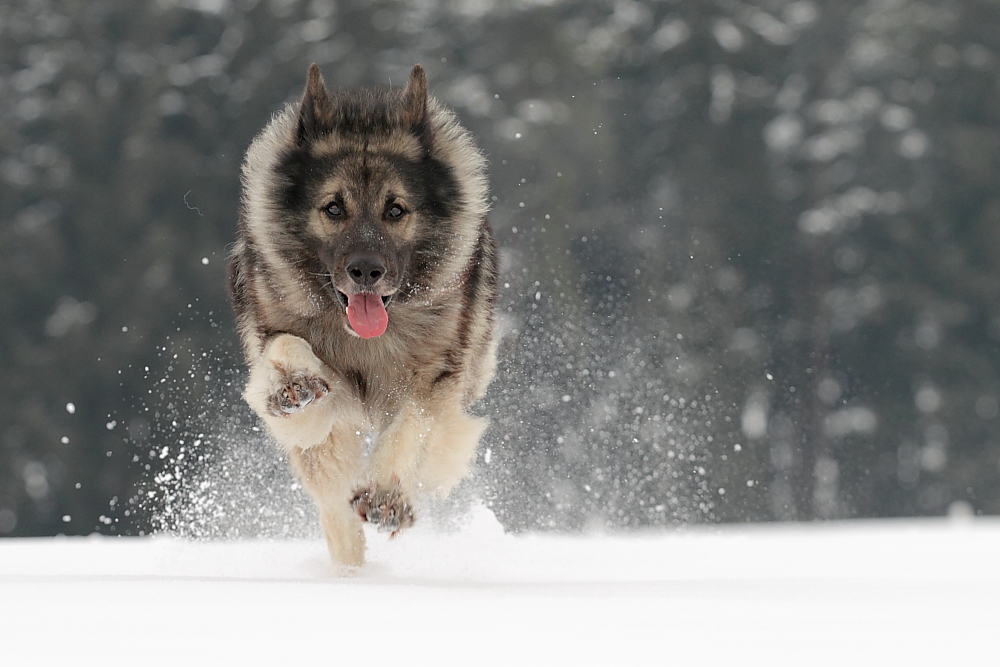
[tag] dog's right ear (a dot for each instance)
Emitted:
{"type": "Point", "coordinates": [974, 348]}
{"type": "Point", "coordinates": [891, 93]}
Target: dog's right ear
{"type": "Point", "coordinates": [316, 110]}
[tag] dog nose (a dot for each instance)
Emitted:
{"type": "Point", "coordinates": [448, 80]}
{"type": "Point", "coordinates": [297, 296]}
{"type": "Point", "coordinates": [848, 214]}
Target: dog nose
{"type": "Point", "coordinates": [366, 270]}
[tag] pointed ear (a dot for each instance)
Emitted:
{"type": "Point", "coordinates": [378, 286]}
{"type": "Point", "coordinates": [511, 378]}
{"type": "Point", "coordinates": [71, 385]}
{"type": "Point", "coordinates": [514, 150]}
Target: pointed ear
{"type": "Point", "coordinates": [415, 101]}
{"type": "Point", "coordinates": [316, 110]}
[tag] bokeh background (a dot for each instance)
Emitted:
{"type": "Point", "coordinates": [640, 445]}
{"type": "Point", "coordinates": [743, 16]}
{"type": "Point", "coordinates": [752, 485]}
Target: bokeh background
{"type": "Point", "coordinates": [751, 254]}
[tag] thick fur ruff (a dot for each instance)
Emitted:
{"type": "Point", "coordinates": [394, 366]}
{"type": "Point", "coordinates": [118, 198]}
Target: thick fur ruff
{"type": "Point", "coordinates": [361, 202]}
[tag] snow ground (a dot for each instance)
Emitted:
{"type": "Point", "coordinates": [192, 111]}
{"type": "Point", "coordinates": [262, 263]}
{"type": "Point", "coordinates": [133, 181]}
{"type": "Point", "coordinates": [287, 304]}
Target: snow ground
{"type": "Point", "coordinates": [914, 592]}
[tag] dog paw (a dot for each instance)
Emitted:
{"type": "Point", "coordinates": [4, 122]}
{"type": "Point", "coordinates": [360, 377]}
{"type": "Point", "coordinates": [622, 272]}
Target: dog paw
{"type": "Point", "coordinates": [385, 508]}
{"type": "Point", "coordinates": [296, 391]}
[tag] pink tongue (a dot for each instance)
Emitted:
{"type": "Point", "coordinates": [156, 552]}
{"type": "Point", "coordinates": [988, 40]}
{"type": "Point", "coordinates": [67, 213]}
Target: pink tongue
{"type": "Point", "coordinates": [367, 315]}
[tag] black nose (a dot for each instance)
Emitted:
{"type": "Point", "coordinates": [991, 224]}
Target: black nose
{"type": "Point", "coordinates": [366, 270]}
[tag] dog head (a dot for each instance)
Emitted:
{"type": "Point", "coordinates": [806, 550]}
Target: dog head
{"type": "Point", "coordinates": [362, 199]}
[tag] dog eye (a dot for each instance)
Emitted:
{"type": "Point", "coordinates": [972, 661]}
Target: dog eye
{"type": "Point", "coordinates": [335, 210]}
{"type": "Point", "coordinates": [395, 212]}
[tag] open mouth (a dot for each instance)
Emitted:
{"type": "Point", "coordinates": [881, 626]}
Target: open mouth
{"type": "Point", "coordinates": [366, 313]}
{"type": "Point", "coordinates": [344, 300]}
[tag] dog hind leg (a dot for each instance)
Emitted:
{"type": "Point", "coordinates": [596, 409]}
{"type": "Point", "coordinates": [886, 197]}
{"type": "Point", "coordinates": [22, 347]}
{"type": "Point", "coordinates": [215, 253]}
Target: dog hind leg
{"type": "Point", "coordinates": [449, 450]}
{"type": "Point", "coordinates": [328, 472]}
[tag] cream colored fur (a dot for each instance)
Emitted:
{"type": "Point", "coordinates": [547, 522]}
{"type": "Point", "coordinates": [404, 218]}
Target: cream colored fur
{"type": "Point", "coordinates": [408, 389]}
{"type": "Point", "coordinates": [426, 446]}
{"type": "Point", "coordinates": [286, 355]}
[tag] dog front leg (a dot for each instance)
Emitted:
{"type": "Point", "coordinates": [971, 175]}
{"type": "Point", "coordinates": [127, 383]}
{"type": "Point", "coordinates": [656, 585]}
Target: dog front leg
{"type": "Point", "coordinates": [385, 499]}
{"type": "Point", "coordinates": [425, 449]}
{"type": "Point", "coordinates": [317, 418]}
{"type": "Point", "coordinates": [297, 396]}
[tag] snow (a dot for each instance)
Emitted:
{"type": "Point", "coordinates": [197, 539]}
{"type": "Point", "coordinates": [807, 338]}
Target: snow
{"type": "Point", "coordinates": [865, 592]}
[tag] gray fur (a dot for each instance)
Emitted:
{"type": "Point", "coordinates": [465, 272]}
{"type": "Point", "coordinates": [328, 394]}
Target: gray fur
{"type": "Point", "coordinates": [341, 178]}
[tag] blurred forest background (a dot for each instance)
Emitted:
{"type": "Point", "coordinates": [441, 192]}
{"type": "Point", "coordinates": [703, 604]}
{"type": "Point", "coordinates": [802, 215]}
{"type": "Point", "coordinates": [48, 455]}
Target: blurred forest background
{"type": "Point", "coordinates": [751, 253]}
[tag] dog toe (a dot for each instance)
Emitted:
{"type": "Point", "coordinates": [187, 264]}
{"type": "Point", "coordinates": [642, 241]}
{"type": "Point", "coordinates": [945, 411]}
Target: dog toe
{"type": "Point", "coordinates": [385, 508]}
{"type": "Point", "coordinates": [296, 393]}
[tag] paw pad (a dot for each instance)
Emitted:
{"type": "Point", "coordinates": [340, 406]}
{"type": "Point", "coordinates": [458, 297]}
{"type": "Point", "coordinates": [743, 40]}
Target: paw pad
{"type": "Point", "coordinates": [385, 508]}
{"type": "Point", "coordinates": [295, 393]}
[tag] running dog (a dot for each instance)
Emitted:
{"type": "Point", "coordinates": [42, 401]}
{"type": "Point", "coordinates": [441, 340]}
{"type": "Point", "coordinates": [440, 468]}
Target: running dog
{"type": "Point", "coordinates": [364, 281]}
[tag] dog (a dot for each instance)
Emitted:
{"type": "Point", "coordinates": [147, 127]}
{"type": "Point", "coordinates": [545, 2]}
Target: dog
{"type": "Point", "coordinates": [364, 283]}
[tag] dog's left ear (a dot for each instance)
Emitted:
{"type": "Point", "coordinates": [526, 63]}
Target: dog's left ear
{"type": "Point", "coordinates": [415, 103]}
{"type": "Point", "coordinates": [316, 110]}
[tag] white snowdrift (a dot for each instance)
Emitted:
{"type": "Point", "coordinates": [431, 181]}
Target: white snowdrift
{"type": "Point", "coordinates": [859, 593]}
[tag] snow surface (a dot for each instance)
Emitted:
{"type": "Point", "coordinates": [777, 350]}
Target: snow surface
{"type": "Point", "coordinates": [862, 593]}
